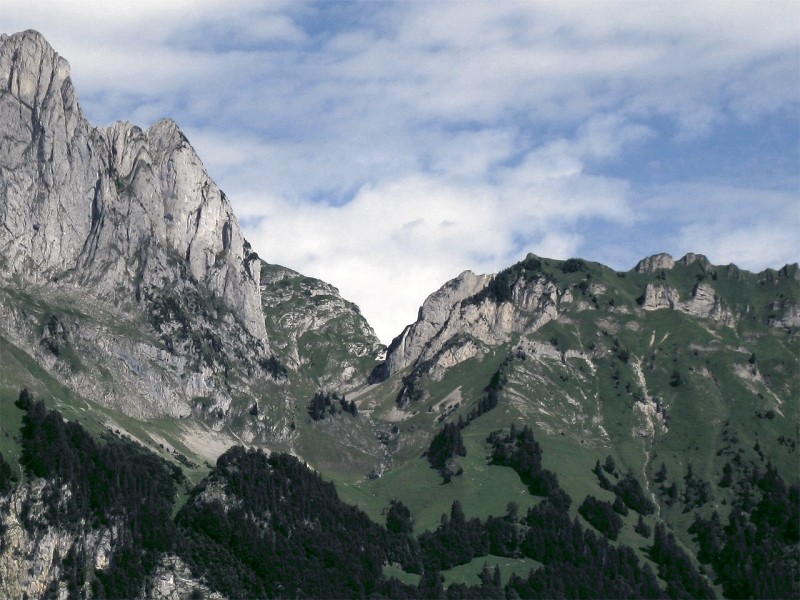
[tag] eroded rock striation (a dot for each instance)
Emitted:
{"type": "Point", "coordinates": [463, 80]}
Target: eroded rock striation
{"type": "Point", "coordinates": [471, 312]}
{"type": "Point", "coordinates": [119, 209]}
{"type": "Point", "coordinates": [120, 218]}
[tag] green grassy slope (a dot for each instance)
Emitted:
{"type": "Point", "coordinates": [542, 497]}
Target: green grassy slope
{"type": "Point", "coordinates": [652, 389]}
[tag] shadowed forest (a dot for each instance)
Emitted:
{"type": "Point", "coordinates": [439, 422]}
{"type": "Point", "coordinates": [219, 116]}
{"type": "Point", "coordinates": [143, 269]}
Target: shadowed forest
{"type": "Point", "coordinates": [267, 526]}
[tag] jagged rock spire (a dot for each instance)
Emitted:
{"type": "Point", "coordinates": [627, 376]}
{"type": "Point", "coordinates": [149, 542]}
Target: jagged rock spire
{"type": "Point", "coordinates": [118, 208]}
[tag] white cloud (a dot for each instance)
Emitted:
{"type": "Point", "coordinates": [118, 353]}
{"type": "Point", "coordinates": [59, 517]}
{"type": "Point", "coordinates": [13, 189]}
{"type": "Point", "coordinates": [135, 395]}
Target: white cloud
{"type": "Point", "coordinates": [752, 247]}
{"type": "Point", "coordinates": [413, 234]}
{"type": "Point", "coordinates": [753, 228]}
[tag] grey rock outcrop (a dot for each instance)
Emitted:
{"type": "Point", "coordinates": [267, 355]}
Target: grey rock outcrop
{"type": "Point", "coordinates": [119, 209]}
{"type": "Point", "coordinates": [173, 580]}
{"type": "Point", "coordinates": [691, 258]}
{"type": "Point", "coordinates": [434, 314]}
{"type": "Point", "coordinates": [657, 296]}
{"type": "Point", "coordinates": [456, 322]}
{"type": "Point", "coordinates": [788, 315]}
{"type": "Point", "coordinates": [31, 550]}
{"type": "Point", "coordinates": [46, 156]}
{"type": "Point", "coordinates": [655, 263]}
{"type": "Point", "coordinates": [704, 302]}
{"type": "Point", "coordinates": [126, 223]}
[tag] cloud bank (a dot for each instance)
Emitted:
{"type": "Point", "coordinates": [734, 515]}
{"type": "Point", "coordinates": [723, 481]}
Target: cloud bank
{"type": "Point", "coordinates": [386, 147]}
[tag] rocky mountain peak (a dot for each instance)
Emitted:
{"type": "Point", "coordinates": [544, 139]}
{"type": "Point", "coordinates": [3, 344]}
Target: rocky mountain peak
{"type": "Point", "coordinates": [474, 314]}
{"type": "Point", "coordinates": [34, 71]}
{"type": "Point", "coordinates": [657, 262]}
{"type": "Point", "coordinates": [125, 216]}
{"type": "Point", "coordinates": [691, 258]}
{"type": "Point", "coordinates": [109, 206]}
{"type": "Point", "coordinates": [45, 154]}
{"type": "Point", "coordinates": [475, 311]}
{"type": "Point", "coordinates": [433, 315]}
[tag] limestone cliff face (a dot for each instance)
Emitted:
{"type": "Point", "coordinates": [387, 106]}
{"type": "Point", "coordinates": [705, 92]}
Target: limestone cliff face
{"type": "Point", "coordinates": [703, 303]}
{"type": "Point", "coordinates": [31, 551]}
{"type": "Point", "coordinates": [120, 209]}
{"type": "Point", "coordinates": [655, 263]}
{"type": "Point", "coordinates": [49, 164]}
{"type": "Point", "coordinates": [173, 580]}
{"type": "Point", "coordinates": [658, 296]}
{"type": "Point", "coordinates": [461, 318]}
{"type": "Point", "coordinates": [435, 313]}
{"type": "Point", "coordinates": [125, 226]}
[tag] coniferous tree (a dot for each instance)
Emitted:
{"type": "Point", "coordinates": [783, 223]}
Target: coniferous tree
{"type": "Point", "coordinates": [661, 474]}
{"type": "Point", "coordinates": [676, 568]}
{"type": "Point", "coordinates": [602, 516]}
{"type": "Point", "coordinates": [642, 528]}
{"type": "Point", "coordinates": [444, 447]}
{"type": "Point", "coordinates": [7, 478]}
{"type": "Point", "coordinates": [630, 491]}
{"type": "Point", "coordinates": [398, 518]}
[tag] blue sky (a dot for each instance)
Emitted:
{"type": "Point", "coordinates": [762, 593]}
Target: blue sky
{"type": "Point", "coordinates": [387, 146]}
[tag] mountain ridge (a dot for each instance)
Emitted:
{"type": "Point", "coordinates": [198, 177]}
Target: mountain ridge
{"type": "Point", "coordinates": [127, 277]}
{"type": "Point", "coordinates": [176, 299]}
{"type": "Point", "coordinates": [130, 302]}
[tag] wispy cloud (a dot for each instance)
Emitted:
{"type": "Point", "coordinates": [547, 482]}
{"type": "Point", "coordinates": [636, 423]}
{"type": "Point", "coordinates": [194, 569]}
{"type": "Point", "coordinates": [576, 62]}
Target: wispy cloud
{"type": "Point", "coordinates": [753, 228]}
{"type": "Point", "coordinates": [385, 147]}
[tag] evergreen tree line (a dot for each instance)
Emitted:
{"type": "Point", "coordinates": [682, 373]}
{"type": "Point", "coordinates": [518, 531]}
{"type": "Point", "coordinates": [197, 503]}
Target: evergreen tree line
{"type": "Point", "coordinates": [602, 515]}
{"type": "Point", "coordinates": [520, 451]}
{"type": "Point", "coordinates": [284, 532]}
{"type": "Point", "coordinates": [448, 442]}
{"type": "Point", "coordinates": [326, 403]}
{"type": "Point", "coordinates": [757, 553]}
{"type": "Point", "coordinates": [114, 483]}
{"type": "Point", "coordinates": [445, 446]}
{"type": "Point", "coordinates": [268, 526]}
{"type": "Point", "coordinates": [550, 521]}
{"type": "Point", "coordinates": [627, 489]}
{"type": "Point", "coordinates": [675, 567]}
{"type": "Point", "coordinates": [577, 562]}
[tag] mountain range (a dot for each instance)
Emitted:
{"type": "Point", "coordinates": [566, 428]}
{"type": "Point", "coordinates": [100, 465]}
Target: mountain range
{"type": "Point", "coordinates": [650, 416]}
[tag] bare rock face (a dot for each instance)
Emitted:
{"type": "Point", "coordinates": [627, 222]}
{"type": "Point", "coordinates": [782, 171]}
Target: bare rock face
{"type": "Point", "coordinates": [30, 557]}
{"type": "Point", "coordinates": [655, 263]}
{"type": "Point", "coordinates": [120, 217]}
{"type": "Point", "coordinates": [691, 258]}
{"type": "Point", "coordinates": [108, 207]}
{"type": "Point", "coordinates": [461, 318]}
{"type": "Point", "coordinates": [50, 169]}
{"type": "Point", "coordinates": [704, 302]}
{"type": "Point", "coordinates": [173, 580]}
{"type": "Point", "coordinates": [32, 551]}
{"type": "Point", "coordinates": [788, 315]}
{"type": "Point", "coordinates": [434, 314]}
{"type": "Point", "coordinates": [657, 296]}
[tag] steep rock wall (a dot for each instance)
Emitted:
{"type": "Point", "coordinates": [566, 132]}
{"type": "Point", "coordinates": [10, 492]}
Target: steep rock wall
{"type": "Point", "coordinates": [117, 209]}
